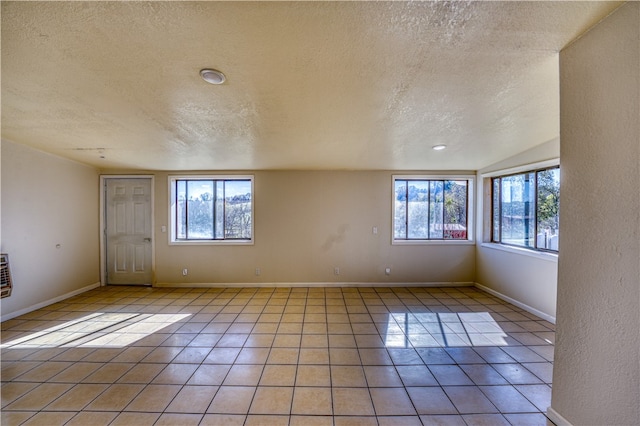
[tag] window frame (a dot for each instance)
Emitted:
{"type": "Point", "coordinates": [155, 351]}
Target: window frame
{"type": "Point", "coordinates": [173, 240]}
{"type": "Point", "coordinates": [469, 178]}
{"type": "Point", "coordinates": [533, 169]}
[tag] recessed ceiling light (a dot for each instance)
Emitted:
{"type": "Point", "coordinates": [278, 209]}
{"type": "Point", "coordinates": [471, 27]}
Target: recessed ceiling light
{"type": "Point", "coordinates": [212, 76]}
{"type": "Point", "coordinates": [438, 147]}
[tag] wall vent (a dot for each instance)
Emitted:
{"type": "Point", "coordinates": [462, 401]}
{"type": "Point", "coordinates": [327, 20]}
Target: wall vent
{"type": "Point", "coordinates": [5, 276]}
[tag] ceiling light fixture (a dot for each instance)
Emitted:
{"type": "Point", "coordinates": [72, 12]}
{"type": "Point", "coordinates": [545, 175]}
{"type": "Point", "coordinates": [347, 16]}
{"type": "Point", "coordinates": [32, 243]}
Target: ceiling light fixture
{"type": "Point", "coordinates": [212, 76]}
{"type": "Point", "coordinates": [438, 147]}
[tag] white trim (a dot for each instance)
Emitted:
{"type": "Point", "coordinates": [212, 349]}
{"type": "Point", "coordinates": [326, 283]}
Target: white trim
{"type": "Point", "coordinates": [103, 253]}
{"type": "Point", "coordinates": [551, 257]}
{"type": "Point", "coordinates": [171, 232]}
{"type": "Point", "coordinates": [524, 168]}
{"type": "Point", "coordinates": [49, 302]}
{"type": "Point", "coordinates": [517, 303]}
{"type": "Point", "coordinates": [470, 178]}
{"type": "Point", "coordinates": [556, 418]}
{"type": "Point", "coordinates": [315, 284]}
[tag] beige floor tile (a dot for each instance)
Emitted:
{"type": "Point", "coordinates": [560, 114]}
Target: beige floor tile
{"type": "Point", "coordinates": [108, 373]}
{"type": "Point", "coordinates": [290, 328]}
{"type": "Point", "coordinates": [486, 420]}
{"type": "Point", "coordinates": [243, 375]}
{"type": "Point", "coordinates": [153, 398]}
{"type": "Point", "coordinates": [314, 341]}
{"type": "Point", "coordinates": [137, 419]}
{"type": "Point", "coordinates": [39, 397]}
{"type": "Point", "coordinates": [76, 398]}
{"type": "Point", "coordinates": [115, 398]}
{"type": "Point", "coordinates": [192, 399]}
{"type": "Point", "coordinates": [266, 420]}
{"type": "Point", "coordinates": [469, 399]}
{"type": "Point", "coordinates": [431, 400]}
{"type": "Point", "coordinates": [15, 417]}
{"type": "Point", "coordinates": [43, 372]}
{"type": "Point", "coordinates": [355, 421]}
{"type": "Point", "coordinates": [392, 402]}
{"type": "Point", "coordinates": [209, 374]}
{"type": "Point", "coordinates": [48, 418]}
{"type": "Point", "coordinates": [312, 401]}
{"type": "Point", "coordinates": [350, 376]}
{"type": "Point", "coordinates": [175, 374]}
{"type": "Point", "coordinates": [539, 395]}
{"type": "Point", "coordinates": [314, 356]}
{"type": "Point", "coordinates": [311, 421]}
{"type": "Point", "coordinates": [352, 402]}
{"type": "Point", "coordinates": [192, 355]}
{"type": "Point", "coordinates": [172, 419]}
{"type": "Point", "coordinates": [382, 376]}
{"type": "Point", "coordinates": [317, 326]}
{"type": "Point", "coordinates": [283, 356]}
{"type": "Point", "coordinates": [142, 373]}
{"type": "Point", "coordinates": [253, 356]}
{"type": "Point", "coordinates": [222, 356]}
{"type": "Point", "coordinates": [103, 355]}
{"type": "Point", "coordinates": [92, 418]}
{"type": "Point", "coordinates": [374, 356]}
{"type": "Point", "coordinates": [342, 341]}
{"type": "Point", "coordinates": [164, 354]}
{"type": "Point", "coordinates": [272, 400]}
{"type": "Point", "coordinates": [11, 391]}
{"type": "Point", "coordinates": [232, 400]}
{"type": "Point", "coordinates": [443, 420]}
{"type": "Point", "coordinates": [399, 421]}
{"type": "Point", "coordinates": [344, 356]}
{"type": "Point", "coordinates": [223, 420]}
{"type": "Point", "coordinates": [76, 372]}
{"type": "Point", "coordinates": [313, 375]}
{"type": "Point", "coordinates": [507, 399]}
{"type": "Point", "coordinates": [278, 375]}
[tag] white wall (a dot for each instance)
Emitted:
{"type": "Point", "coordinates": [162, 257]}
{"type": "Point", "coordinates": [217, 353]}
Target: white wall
{"type": "Point", "coordinates": [47, 201]}
{"type": "Point", "coordinates": [521, 275]}
{"type": "Point", "coordinates": [596, 378]}
{"type": "Point", "coordinates": [307, 223]}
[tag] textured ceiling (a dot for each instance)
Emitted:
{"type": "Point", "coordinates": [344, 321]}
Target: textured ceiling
{"type": "Point", "coordinates": [310, 85]}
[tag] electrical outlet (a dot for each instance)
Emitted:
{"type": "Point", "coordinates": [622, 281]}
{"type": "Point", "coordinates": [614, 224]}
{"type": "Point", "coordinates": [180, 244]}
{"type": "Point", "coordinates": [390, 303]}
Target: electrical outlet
{"type": "Point", "coordinates": [375, 230]}
{"type": "Point", "coordinates": [185, 272]}
{"type": "Point", "coordinates": [258, 271]}
{"type": "Point", "coordinates": [336, 271]}
{"type": "Point", "coordinates": [387, 271]}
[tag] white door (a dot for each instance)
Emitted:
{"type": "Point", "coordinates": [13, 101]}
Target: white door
{"type": "Point", "coordinates": [128, 230]}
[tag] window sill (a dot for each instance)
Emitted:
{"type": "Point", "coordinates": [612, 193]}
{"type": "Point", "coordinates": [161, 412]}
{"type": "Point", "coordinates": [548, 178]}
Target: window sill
{"type": "Point", "coordinates": [551, 257]}
{"type": "Point", "coordinates": [211, 243]}
{"type": "Point", "coordinates": [432, 242]}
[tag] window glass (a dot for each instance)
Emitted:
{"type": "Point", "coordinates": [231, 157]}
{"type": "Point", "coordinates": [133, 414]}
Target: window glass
{"type": "Point", "coordinates": [548, 209]}
{"type": "Point", "coordinates": [210, 209]}
{"type": "Point", "coordinates": [455, 209]}
{"type": "Point", "coordinates": [430, 209]}
{"type": "Point", "coordinates": [525, 209]}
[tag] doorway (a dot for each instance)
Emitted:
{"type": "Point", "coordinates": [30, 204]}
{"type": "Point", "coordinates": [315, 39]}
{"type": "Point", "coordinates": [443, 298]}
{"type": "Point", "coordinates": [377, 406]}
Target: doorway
{"type": "Point", "coordinates": [128, 226]}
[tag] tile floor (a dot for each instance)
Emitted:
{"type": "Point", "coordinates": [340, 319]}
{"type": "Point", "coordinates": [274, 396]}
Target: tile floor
{"type": "Point", "coordinates": [281, 356]}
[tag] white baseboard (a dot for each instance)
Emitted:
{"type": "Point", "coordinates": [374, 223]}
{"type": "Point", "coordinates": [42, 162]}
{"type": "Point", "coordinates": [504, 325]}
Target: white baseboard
{"type": "Point", "coordinates": [517, 303]}
{"type": "Point", "coordinates": [315, 284]}
{"type": "Point", "coordinates": [48, 302]}
{"type": "Point", "coordinates": [556, 418]}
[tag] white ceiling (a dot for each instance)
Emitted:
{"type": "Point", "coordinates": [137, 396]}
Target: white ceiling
{"type": "Point", "coordinates": [310, 85]}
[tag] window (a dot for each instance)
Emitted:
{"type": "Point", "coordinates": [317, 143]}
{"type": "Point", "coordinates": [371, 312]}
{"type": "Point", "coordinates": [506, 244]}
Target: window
{"type": "Point", "coordinates": [209, 209]}
{"type": "Point", "coordinates": [525, 209]}
{"type": "Point", "coordinates": [428, 208]}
